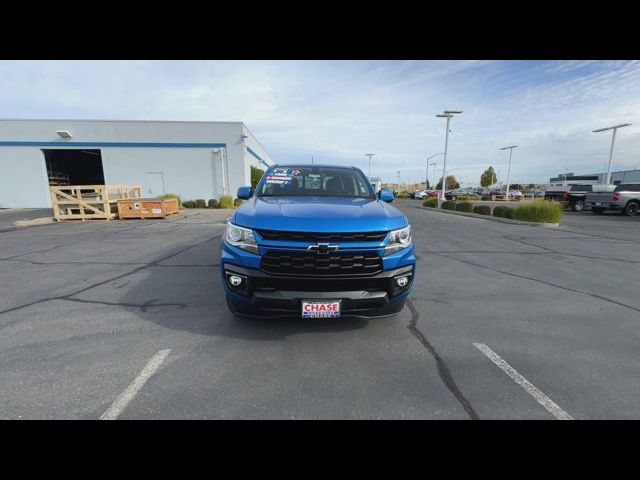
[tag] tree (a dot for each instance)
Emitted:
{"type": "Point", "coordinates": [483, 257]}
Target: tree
{"type": "Point", "coordinates": [488, 177]}
{"type": "Point", "coordinates": [256, 175]}
{"type": "Point", "coordinates": [451, 183]}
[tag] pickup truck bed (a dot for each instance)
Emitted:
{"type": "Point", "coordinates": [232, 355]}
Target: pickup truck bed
{"type": "Point", "coordinates": [625, 199]}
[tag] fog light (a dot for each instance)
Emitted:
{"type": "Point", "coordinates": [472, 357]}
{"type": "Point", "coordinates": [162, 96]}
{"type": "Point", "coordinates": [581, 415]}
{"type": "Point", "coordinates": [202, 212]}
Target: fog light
{"type": "Point", "coordinates": [402, 281]}
{"type": "Point", "coordinates": [235, 281]}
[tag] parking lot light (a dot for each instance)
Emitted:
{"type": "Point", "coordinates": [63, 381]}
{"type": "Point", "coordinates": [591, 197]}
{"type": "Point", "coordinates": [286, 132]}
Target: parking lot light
{"type": "Point", "coordinates": [369, 155]}
{"type": "Point", "coordinates": [613, 140]}
{"type": "Point", "coordinates": [433, 163]}
{"type": "Point", "coordinates": [510, 148]}
{"type": "Point", "coordinates": [448, 114]}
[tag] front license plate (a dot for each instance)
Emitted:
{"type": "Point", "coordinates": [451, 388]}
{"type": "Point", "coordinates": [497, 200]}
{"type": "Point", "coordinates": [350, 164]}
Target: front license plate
{"type": "Point", "coordinates": [598, 203]}
{"type": "Point", "coordinates": [321, 308]}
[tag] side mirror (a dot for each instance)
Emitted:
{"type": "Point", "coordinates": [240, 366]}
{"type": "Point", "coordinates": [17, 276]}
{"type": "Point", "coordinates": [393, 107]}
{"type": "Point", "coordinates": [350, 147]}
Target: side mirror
{"type": "Point", "coordinates": [386, 196]}
{"type": "Point", "coordinates": [245, 193]}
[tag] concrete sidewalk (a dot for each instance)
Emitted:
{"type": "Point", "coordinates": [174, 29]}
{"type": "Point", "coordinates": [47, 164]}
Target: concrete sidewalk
{"type": "Point", "coordinates": [9, 217]}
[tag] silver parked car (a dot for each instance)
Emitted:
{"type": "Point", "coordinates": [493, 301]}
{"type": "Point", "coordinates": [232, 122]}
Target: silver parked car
{"type": "Point", "coordinates": [625, 198]}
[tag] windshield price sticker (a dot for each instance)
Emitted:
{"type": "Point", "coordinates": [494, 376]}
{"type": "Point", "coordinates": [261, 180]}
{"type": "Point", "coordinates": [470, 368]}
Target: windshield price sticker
{"type": "Point", "coordinates": [280, 176]}
{"type": "Point", "coordinates": [278, 180]}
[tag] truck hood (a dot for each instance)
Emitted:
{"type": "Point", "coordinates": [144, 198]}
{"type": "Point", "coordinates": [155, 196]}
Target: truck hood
{"type": "Point", "coordinates": [318, 214]}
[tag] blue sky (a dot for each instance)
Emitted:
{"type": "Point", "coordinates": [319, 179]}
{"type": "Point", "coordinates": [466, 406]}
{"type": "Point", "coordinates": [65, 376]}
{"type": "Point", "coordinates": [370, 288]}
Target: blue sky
{"type": "Point", "coordinates": [336, 111]}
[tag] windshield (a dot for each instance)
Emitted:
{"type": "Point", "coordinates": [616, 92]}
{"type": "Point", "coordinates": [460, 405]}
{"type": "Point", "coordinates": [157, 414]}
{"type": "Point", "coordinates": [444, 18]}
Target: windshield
{"type": "Point", "coordinates": [312, 181]}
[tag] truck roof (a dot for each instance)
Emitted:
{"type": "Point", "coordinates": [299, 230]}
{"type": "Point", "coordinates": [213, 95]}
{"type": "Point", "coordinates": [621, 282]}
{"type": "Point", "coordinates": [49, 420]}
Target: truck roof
{"type": "Point", "coordinates": [321, 165]}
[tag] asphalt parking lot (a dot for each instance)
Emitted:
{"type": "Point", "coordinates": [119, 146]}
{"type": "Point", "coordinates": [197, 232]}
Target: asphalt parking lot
{"type": "Point", "coordinates": [126, 319]}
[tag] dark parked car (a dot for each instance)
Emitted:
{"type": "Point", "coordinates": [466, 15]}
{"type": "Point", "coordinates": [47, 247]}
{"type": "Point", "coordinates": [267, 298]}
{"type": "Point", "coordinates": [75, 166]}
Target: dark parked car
{"type": "Point", "coordinates": [576, 196]}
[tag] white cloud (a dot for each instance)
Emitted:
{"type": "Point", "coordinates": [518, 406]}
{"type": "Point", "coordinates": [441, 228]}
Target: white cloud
{"type": "Point", "coordinates": [338, 110]}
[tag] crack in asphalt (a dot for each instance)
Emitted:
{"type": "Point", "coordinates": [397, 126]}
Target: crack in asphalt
{"type": "Point", "coordinates": [103, 282]}
{"type": "Point", "coordinates": [443, 370]}
{"type": "Point", "coordinates": [34, 262]}
{"type": "Point", "coordinates": [30, 253]}
{"type": "Point", "coordinates": [522, 240]}
{"type": "Point", "coordinates": [551, 284]}
{"type": "Point", "coordinates": [142, 306]}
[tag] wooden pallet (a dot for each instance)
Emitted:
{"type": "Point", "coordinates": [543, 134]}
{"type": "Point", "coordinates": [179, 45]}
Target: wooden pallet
{"type": "Point", "coordinates": [89, 202]}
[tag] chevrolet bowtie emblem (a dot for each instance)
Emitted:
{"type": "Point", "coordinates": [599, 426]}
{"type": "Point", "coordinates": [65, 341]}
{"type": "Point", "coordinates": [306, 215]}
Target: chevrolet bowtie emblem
{"type": "Point", "coordinates": [323, 247]}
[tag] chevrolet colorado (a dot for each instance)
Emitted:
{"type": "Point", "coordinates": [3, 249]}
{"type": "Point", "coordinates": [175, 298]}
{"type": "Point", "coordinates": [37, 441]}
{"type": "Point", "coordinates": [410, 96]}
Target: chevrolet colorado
{"type": "Point", "coordinates": [315, 241]}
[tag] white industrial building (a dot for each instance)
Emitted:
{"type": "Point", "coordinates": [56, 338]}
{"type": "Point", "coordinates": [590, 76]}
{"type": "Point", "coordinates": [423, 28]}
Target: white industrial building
{"type": "Point", "coordinates": [620, 176]}
{"type": "Point", "coordinates": [193, 159]}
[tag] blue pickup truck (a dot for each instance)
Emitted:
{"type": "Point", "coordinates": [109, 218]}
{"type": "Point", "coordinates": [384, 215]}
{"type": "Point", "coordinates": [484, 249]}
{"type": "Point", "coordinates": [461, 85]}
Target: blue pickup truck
{"type": "Point", "coordinates": [316, 241]}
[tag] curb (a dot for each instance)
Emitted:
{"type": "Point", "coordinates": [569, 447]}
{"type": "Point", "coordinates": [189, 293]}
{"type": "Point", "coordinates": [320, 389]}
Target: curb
{"type": "Point", "coordinates": [34, 221]}
{"type": "Point", "coordinates": [491, 218]}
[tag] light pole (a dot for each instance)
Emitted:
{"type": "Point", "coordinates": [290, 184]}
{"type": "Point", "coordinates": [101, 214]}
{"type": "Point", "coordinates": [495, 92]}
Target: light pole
{"type": "Point", "coordinates": [509, 170]}
{"type": "Point", "coordinates": [448, 114]}
{"type": "Point", "coordinates": [429, 164]}
{"type": "Point", "coordinates": [613, 139]}
{"type": "Point", "coordinates": [434, 172]}
{"type": "Point", "coordinates": [369, 155]}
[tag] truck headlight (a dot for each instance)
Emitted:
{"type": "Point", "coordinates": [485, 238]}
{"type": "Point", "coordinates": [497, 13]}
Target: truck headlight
{"type": "Point", "coordinates": [240, 237]}
{"type": "Point", "coordinates": [398, 239]}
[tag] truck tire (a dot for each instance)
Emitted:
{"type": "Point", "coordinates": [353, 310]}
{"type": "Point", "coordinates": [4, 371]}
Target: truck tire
{"type": "Point", "coordinates": [578, 206]}
{"type": "Point", "coordinates": [631, 209]}
{"type": "Point", "coordinates": [597, 211]}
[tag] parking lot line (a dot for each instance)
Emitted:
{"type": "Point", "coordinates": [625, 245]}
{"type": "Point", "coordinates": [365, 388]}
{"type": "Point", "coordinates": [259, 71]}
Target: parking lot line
{"type": "Point", "coordinates": [531, 389]}
{"type": "Point", "coordinates": [120, 403]}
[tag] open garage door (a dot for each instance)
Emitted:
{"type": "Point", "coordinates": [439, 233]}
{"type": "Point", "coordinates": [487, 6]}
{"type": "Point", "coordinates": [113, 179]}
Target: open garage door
{"type": "Point", "coordinates": [74, 166]}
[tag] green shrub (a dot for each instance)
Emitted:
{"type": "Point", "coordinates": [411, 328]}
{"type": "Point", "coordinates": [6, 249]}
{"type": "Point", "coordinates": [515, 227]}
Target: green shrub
{"type": "Point", "coordinates": [237, 202]}
{"type": "Point", "coordinates": [403, 195]}
{"type": "Point", "coordinates": [465, 207]}
{"type": "Point", "coordinates": [448, 205]}
{"type": "Point", "coordinates": [542, 211]}
{"type": "Point", "coordinates": [503, 211]}
{"type": "Point", "coordinates": [482, 209]}
{"type": "Point", "coordinates": [212, 203]}
{"type": "Point", "coordinates": [172, 195]}
{"type": "Point", "coordinates": [430, 202]}
{"type": "Point", "coordinates": [486, 198]}
{"type": "Point", "coordinates": [256, 175]}
{"type": "Point", "coordinates": [467, 198]}
{"type": "Point", "coordinates": [189, 204]}
{"type": "Point", "coordinates": [226, 201]}
{"type": "Point", "coordinates": [200, 203]}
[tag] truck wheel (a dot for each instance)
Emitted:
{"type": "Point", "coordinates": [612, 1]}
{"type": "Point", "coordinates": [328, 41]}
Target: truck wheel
{"type": "Point", "coordinates": [578, 206]}
{"type": "Point", "coordinates": [597, 211]}
{"type": "Point", "coordinates": [631, 209]}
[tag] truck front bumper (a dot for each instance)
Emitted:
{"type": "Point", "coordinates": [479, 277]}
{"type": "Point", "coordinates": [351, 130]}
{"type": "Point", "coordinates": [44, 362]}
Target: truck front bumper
{"type": "Point", "coordinates": [268, 296]}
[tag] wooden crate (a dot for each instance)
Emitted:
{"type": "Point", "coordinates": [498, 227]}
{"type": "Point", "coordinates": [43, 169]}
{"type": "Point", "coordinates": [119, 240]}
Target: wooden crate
{"type": "Point", "coordinates": [87, 202]}
{"type": "Point", "coordinates": [147, 207]}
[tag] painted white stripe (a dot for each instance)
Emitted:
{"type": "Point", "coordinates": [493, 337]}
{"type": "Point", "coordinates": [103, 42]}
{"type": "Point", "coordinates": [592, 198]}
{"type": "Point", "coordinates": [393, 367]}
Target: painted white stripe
{"type": "Point", "coordinates": [531, 389]}
{"type": "Point", "coordinates": [120, 403]}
